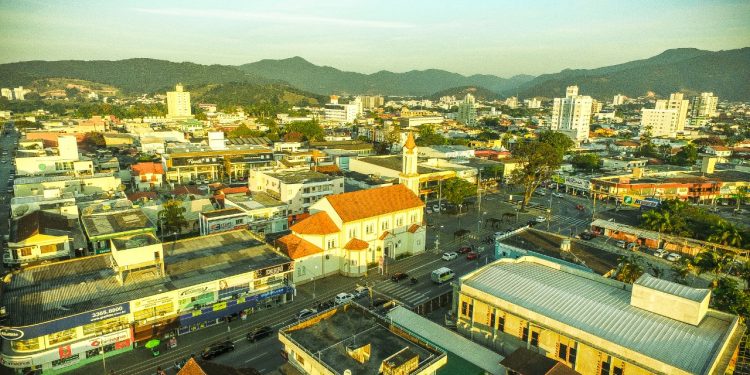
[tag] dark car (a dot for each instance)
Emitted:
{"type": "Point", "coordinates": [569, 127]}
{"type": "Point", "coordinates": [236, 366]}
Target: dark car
{"type": "Point", "coordinates": [586, 236]}
{"type": "Point", "coordinates": [463, 250]}
{"type": "Point", "coordinates": [259, 333]}
{"type": "Point", "coordinates": [217, 349]}
{"type": "Point", "coordinates": [398, 276]}
{"type": "Point", "coordinates": [472, 255]}
{"type": "Point", "coordinates": [377, 302]}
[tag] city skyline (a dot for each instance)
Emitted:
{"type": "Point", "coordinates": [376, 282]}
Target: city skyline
{"type": "Point", "coordinates": [503, 39]}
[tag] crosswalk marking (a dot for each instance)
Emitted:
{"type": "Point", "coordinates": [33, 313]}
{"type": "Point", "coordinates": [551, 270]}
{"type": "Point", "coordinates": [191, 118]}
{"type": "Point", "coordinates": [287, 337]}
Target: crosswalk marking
{"type": "Point", "coordinates": [400, 292]}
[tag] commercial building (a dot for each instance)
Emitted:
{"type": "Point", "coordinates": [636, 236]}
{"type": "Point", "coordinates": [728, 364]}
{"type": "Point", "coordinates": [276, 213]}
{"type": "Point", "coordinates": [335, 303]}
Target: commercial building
{"type": "Point", "coordinates": [340, 113]}
{"type": "Point", "coordinates": [96, 183]}
{"type": "Point", "coordinates": [183, 164]}
{"type": "Point", "coordinates": [668, 116]}
{"type": "Point", "coordinates": [467, 111]}
{"type": "Point", "coordinates": [264, 213]}
{"type": "Point", "coordinates": [107, 221]}
{"type": "Point", "coordinates": [571, 115]}
{"type": "Point", "coordinates": [63, 159]}
{"type": "Point", "coordinates": [63, 315]}
{"type": "Point", "coordinates": [371, 102]}
{"type": "Point", "coordinates": [350, 339]}
{"type": "Point", "coordinates": [593, 324]}
{"type": "Point", "coordinates": [347, 232]}
{"type": "Point", "coordinates": [297, 188]}
{"type": "Point", "coordinates": [178, 104]}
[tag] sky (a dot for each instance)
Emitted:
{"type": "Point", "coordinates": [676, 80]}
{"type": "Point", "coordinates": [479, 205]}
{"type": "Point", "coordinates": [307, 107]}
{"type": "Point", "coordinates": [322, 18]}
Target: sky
{"type": "Point", "coordinates": [497, 37]}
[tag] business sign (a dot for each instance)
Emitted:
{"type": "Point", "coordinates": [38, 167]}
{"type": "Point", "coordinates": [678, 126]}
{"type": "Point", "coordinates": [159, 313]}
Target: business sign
{"type": "Point", "coordinates": [150, 302]}
{"type": "Point", "coordinates": [270, 271]}
{"type": "Point", "coordinates": [15, 362]}
{"type": "Point", "coordinates": [77, 320]}
{"type": "Point", "coordinates": [628, 199]}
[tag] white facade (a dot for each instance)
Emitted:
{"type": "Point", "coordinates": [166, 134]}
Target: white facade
{"type": "Point", "coordinates": [19, 93]}
{"type": "Point", "coordinates": [572, 114]}
{"type": "Point", "coordinates": [678, 103]}
{"type": "Point", "coordinates": [467, 112]}
{"type": "Point", "coordinates": [619, 99]}
{"type": "Point", "coordinates": [663, 122]}
{"type": "Point", "coordinates": [178, 103]}
{"type": "Point", "coordinates": [533, 103]}
{"type": "Point", "coordinates": [294, 188]}
{"type": "Point", "coordinates": [705, 105]}
{"type": "Point", "coordinates": [6, 93]}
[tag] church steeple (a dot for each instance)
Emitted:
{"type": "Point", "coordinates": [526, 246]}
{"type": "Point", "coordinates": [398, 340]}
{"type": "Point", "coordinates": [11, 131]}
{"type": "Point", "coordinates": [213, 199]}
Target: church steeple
{"type": "Point", "coordinates": [409, 175]}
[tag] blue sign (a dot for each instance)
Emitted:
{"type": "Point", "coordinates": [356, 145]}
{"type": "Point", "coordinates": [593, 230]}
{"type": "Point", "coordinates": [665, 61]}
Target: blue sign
{"type": "Point", "coordinates": [231, 306]}
{"type": "Point", "coordinates": [67, 322]}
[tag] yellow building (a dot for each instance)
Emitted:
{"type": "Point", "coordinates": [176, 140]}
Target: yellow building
{"type": "Point", "coordinates": [178, 104]}
{"type": "Point", "coordinates": [593, 324]}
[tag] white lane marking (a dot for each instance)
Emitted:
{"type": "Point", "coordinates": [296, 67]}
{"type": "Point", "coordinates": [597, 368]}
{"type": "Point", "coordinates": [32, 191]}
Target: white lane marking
{"type": "Point", "coordinates": [256, 357]}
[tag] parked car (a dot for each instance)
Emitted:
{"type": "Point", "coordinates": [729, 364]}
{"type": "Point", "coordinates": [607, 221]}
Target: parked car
{"type": "Point", "coordinates": [436, 208]}
{"type": "Point", "coordinates": [259, 333]}
{"type": "Point", "coordinates": [557, 195]}
{"type": "Point", "coordinates": [673, 257]}
{"type": "Point", "coordinates": [217, 349]}
{"type": "Point", "coordinates": [540, 193]}
{"type": "Point", "coordinates": [398, 276]}
{"type": "Point", "coordinates": [306, 313]}
{"type": "Point", "coordinates": [580, 207]}
{"type": "Point", "coordinates": [586, 236]}
{"type": "Point", "coordinates": [378, 302]}
{"type": "Point", "coordinates": [428, 210]}
{"type": "Point", "coordinates": [540, 219]}
{"type": "Point", "coordinates": [472, 255]}
{"type": "Point", "coordinates": [360, 292]}
{"type": "Point", "coordinates": [450, 255]}
{"type": "Point", "coordinates": [621, 244]}
{"type": "Point", "coordinates": [343, 298]}
{"type": "Point", "coordinates": [464, 249]}
{"type": "Point", "coordinates": [660, 253]}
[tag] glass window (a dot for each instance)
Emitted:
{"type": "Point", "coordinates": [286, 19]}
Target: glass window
{"type": "Point", "coordinates": [562, 352]}
{"type": "Point", "coordinates": [48, 248]}
{"type": "Point", "coordinates": [501, 324]}
{"type": "Point", "coordinates": [106, 326]}
{"type": "Point", "coordinates": [617, 371]}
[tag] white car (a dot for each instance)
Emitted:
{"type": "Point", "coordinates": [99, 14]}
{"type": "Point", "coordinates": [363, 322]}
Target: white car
{"type": "Point", "coordinates": [450, 255]}
{"type": "Point", "coordinates": [360, 291]}
{"type": "Point", "coordinates": [660, 253]}
{"type": "Point", "coordinates": [540, 219]}
{"type": "Point", "coordinates": [436, 208]}
{"type": "Point", "coordinates": [343, 298]}
{"type": "Point", "coordinates": [428, 210]}
{"type": "Point", "coordinates": [557, 195]}
{"type": "Point", "coordinates": [306, 313]}
{"type": "Point", "coordinates": [673, 257]}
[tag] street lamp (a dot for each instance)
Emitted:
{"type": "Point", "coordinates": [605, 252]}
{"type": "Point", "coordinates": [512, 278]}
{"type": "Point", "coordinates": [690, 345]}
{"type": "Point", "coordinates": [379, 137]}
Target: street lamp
{"type": "Point", "coordinates": [516, 214]}
{"type": "Point", "coordinates": [549, 211]}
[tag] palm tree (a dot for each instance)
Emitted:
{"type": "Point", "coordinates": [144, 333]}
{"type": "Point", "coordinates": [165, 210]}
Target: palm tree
{"type": "Point", "coordinates": [712, 261]}
{"type": "Point", "coordinates": [658, 221]}
{"type": "Point", "coordinates": [726, 233]}
{"type": "Point", "coordinates": [740, 194]}
{"type": "Point", "coordinates": [681, 270]}
{"type": "Point", "coordinates": [630, 269]}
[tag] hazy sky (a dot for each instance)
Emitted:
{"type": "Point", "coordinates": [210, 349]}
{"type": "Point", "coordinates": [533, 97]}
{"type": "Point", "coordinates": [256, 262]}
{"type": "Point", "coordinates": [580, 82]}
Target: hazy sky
{"type": "Point", "coordinates": [493, 37]}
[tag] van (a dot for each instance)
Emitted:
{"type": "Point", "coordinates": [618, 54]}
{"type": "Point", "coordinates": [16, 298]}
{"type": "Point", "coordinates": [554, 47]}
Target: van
{"type": "Point", "coordinates": [442, 275]}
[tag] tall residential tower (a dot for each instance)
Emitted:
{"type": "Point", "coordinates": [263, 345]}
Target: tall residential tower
{"type": "Point", "coordinates": [571, 115]}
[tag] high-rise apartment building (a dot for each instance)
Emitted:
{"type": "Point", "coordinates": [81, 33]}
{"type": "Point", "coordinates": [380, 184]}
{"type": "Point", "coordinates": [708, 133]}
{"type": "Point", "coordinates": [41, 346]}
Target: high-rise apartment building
{"type": "Point", "coordinates": [661, 122]}
{"type": "Point", "coordinates": [512, 102]}
{"type": "Point", "coordinates": [178, 103]}
{"type": "Point", "coordinates": [19, 93]}
{"type": "Point", "coordinates": [6, 93]}
{"type": "Point", "coordinates": [571, 115]}
{"type": "Point", "coordinates": [619, 99]}
{"type": "Point", "coordinates": [371, 102]}
{"type": "Point", "coordinates": [680, 104]}
{"type": "Point", "coordinates": [342, 113]}
{"type": "Point", "coordinates": [705, 105]}
{"type": "Point", "coordinates": [532, 103]}
{"type": "Point", "coordinates": [467, 113]}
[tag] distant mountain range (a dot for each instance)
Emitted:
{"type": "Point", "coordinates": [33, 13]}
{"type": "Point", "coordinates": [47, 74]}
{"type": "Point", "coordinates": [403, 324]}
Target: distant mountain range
{"type": "Point", "coordinates": [301, 73]}
{"type": "Point", "coordinates": [689, 70]}
{"type": "Point", "coordinates": [478, 92]}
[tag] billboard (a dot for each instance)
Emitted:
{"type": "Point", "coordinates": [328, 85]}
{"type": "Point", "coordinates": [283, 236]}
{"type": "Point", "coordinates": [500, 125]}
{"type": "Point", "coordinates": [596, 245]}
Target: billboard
{"type": "Point", "coordinates": [41, 329]}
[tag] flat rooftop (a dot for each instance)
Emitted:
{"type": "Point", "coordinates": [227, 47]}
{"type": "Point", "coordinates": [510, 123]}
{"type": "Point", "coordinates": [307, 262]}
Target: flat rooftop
{"type": "Point", "coordinates": [222, 212]}
{"type": "Point", "coordinates": [256, 200]}
{"type": "Point", "coordinates": [300, 176]}
{"type": "Point", "coordinates": [601, 307]}
{"type": "Point", "coordinates": [47, 292]}
{"type": "Point", "coordinates": [102, 224]}
{"type": "Point", "coordinates": [135, 241]}
{"type": "Point", "coordinates": [354, 326]}
{"type": "Point", "coordinates": [393, 162]}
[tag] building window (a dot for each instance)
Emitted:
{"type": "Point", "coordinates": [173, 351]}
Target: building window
{"type": "Point", "coordinates": [572, 352]}
{"type": "Point", "coordinates": [562, 352]}
{"type": "Point", "coordinates": [238, 222]}
{"type": "Point", "coordinates": [62, 336]}
{"type": "Point", "coordinates": [368, 229]}
{"type": "Point", "coordinates": [535, 338]}
{"type": "Point", "coordinates": [501, 324]}
{"type": "Point", "coordinates": [492, 320]}
{"type": "Point", "coordinates": [331, 244]}
{"type": "Point", "coordinates": [399, 221]}
{"type": "Point", "coordinates": [49, 248]}
{"type": "Point", "coordinates": [352, 233]}
{"type": "Point", "coordinates": [385, 225]}
{"type": "Point", "coordinates": [604, 368]}
{"type": "Point", "coordinates": [413, 218]}
{"type": "Point", "coordinates": [618, 370]}
{"type": "Point", "coordinates": [25, 345]}
{"type": "Point", "coordinates": [525, 334]}
{"type": "Point", "coordinates": [24, 251]}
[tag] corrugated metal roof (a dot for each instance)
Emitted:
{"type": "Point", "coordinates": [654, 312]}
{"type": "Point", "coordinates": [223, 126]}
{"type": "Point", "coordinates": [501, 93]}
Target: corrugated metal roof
{"type": "Point", "coordinates": [625, 228]}
{"type": "Point", "coordinates": [665, 286]}
{"type": "Point", "coordinates": [448, 340]}
{"type": "Point", "coordinates": [601, 308]}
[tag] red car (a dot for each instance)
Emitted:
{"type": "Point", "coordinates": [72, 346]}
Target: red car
{"type": "Point", "coordinates": [579, 207]}
{"type": "Point", "coordinates": [464, 250]}
{"type": "Point", "coordinates": [472, 255]}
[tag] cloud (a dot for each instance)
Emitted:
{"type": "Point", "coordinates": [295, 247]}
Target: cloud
{"type": "Point", "coordinates": [274, 17]}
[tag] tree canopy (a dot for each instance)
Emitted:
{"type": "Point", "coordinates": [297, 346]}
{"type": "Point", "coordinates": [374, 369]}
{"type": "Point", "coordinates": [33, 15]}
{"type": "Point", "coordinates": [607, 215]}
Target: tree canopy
{"type": "Point", "coordinates": [538, 160]}
{"type": "Point", "coordinates": [456, 190]}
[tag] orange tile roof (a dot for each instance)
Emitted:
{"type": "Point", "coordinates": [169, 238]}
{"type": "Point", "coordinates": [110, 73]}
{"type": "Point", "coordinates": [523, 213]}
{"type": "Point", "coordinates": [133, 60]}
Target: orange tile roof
{"type": "Point", "coordinates": [384, 235]}
{"type": "Point", "coordinates": [235, 190]}
{"type": "Point", "coordinates": [297, 247]}
{"type": "Point", "coordinates": [318, 223]}
{"type": "Point", "coordinates": [373, 202]}
{"type": "Point", "coordinates": [145, 168]}
{"type": "Point", "coordinates": [356, 244]}
{"type": "Point", "coordinates": [413, 228]}
{"type": "Point", "coordinates": [333, 168]}
{"type": "Point", "coordinates": [191, 368]}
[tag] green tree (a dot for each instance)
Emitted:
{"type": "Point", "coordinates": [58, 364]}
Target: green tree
{"type": "Point", "coordinates": [586, 162]}
{"type": "Point", "coordinates": [456, 190]}
{"type": "Point", "coordinates": [740, 193]}
{"type": "Point", "coordinates": [94, 140]}
{"type": "Point", "coordinates": [428, 137]}
{"type": "Point", "coordinates": [25, 124]}
{"type": "Point", "coordinates": [712, 261]}
{"type": "Point", "coordinates": [630, 269]}
{"type": "Point", "coordinates": [687, 155]}
{"type": "Point", "coordinates": [538, 160]}
{"type": "Point", "coordinates": [681, 270]}
{"type": "Point", "coordinates": [647, 148]}
{"type": "Point", "coordinates": [726, 233]}
{"type": "Point", "coordinates": [172, 217]}
{"type": "Point", "coordinates": [727, 296]}
{"type": "Point", "coordinates": [311, 130]}
{"type": "Point", "coordinates": [243, 131]}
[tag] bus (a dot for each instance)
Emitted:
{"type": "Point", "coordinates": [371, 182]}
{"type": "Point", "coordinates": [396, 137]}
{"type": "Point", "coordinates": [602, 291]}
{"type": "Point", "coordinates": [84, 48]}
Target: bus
{"type": "Point", "coordinates": [442, 275]}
